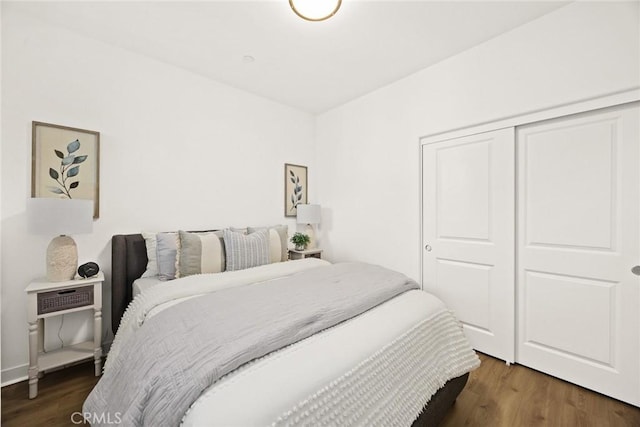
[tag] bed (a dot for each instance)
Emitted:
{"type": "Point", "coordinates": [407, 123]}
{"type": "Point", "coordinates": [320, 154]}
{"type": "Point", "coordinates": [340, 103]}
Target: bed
{"type": "Point", "coordinates": [310, 374]}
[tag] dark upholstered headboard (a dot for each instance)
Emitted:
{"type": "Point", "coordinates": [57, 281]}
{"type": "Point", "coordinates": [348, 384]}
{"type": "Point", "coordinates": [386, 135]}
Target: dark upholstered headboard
{"type": "Point", "coordinates": [128, 262]}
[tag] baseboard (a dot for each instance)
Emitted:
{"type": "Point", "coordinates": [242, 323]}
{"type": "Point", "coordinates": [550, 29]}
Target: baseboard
{"type": "Point", "coordinates": [19, 373]}
{"type": "Point", "coordinates": [14, 375]}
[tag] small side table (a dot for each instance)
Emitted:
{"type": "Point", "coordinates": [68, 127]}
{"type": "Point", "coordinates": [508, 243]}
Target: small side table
{"type": "Point", "coordinates": [309, 253]}
{"type": "Point", "coordinates": [47, 299]}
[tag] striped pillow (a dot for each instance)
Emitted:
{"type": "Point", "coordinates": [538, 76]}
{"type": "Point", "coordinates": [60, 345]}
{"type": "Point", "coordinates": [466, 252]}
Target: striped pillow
{"type": "Point", "coordinates": [200, 253]}
{"type": "Point", "coordinates": [278, 238]}
{"type": "Point", "coordinates": [246, 251]}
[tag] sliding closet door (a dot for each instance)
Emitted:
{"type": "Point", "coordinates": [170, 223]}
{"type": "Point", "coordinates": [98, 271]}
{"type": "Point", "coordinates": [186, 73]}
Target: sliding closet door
{"type": "Point", "coordinates": [468, 235]}
{"type": "Point", "coordinates": [578, 240]}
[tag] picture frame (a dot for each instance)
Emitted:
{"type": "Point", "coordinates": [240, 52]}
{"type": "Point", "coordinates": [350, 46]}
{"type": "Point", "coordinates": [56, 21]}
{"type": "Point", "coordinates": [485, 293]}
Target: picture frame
{"type": "Point", "coordinates": [65, 163]}
{"type": "Point", "coordinates": [295, 188]}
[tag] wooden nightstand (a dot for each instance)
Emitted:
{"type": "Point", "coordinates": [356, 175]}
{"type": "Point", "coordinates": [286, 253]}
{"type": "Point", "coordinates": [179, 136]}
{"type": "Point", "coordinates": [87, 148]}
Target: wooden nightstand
{"type": "Point", "coordinates": [47, 299]}
{"type": "Point", "coordinates": [309, 253]}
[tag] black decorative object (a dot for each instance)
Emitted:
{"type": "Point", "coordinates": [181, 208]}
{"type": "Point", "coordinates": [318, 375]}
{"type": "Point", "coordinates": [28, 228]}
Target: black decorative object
{"type": "Point", "coordinates": [88, 270]}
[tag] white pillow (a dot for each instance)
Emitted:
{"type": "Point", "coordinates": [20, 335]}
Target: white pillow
{"type": "Point", "coordinates": [152, 263]}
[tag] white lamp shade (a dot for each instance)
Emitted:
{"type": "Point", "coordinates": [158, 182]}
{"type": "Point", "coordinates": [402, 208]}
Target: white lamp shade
{"type": "Point", "coordinates": [308, 214]}
{"type": "Point", "coordinates": [59, 216]}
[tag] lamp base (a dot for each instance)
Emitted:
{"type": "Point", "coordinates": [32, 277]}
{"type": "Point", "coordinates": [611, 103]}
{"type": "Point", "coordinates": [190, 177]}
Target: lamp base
{"type": "Point", "coordinates": [309, 231]}
{"type": "Point", "coordinates": [62, 259]}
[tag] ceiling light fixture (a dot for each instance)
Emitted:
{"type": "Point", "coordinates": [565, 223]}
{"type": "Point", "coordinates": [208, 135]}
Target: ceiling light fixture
{"type": "Point", "coordinates": [315, 10]}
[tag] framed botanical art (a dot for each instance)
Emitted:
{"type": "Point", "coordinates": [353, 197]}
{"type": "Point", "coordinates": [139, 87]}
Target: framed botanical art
{"type": "Point", "coordinates": [295, 188]}
{"type": "Point", "coordinates": [65, 163]}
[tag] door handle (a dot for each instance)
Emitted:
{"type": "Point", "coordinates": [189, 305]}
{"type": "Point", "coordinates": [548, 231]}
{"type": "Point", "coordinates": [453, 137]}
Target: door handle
{"type": "Point", "coordinates": [636, 270]}
{"type": "Point", "coordinates": [428, 249]}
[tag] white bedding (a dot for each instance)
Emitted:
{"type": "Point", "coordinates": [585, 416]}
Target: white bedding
{"type": "Point", "coordinates": [144, 284]}
{"type": "Point", "coordinates": [298, 384]}
{"type": "Point", "coordinates": [267, 391]}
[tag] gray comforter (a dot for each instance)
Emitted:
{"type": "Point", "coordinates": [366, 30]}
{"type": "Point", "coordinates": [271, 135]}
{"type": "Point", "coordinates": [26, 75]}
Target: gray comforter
{"type": "Point", "coordinates": [181, 351]}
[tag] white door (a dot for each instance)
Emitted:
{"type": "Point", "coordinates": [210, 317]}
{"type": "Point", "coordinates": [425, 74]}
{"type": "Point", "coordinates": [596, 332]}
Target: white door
{"type": "Point", "coordinates": [578, 239]}
{"type": "Point", "coordinates": [468, 235]}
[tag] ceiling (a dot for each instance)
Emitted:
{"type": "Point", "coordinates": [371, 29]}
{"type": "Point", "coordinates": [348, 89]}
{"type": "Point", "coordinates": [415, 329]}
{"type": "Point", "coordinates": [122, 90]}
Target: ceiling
{"type": "Point", "coordinates": [312, 66]}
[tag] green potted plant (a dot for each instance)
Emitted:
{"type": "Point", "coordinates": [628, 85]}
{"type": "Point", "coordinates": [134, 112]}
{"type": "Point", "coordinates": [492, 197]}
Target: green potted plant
{"type": "Point", "coordinates": [300, 240]}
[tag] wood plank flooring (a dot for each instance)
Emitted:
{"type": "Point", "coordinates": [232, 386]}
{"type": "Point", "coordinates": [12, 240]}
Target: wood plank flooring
{"type": "Point", "coordinates": [496, 395]}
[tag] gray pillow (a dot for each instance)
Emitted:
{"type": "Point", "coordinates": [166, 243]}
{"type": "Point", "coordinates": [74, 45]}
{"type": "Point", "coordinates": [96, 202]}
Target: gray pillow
{"type": "Point", "coordinates": [246, 251]}
{"type": "Point", "coordinates": [167, 251]}
{"type": "Point", "coordinates": [200, 253]}
{"type": "Point", "coordinates": [278, 240]}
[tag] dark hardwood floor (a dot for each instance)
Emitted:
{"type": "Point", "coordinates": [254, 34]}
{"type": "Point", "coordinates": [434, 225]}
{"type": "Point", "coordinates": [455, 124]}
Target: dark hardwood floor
{"type": "Point", "coordinates": [496, 395]}
{"type": "Point", "coordinates": [60, 394]}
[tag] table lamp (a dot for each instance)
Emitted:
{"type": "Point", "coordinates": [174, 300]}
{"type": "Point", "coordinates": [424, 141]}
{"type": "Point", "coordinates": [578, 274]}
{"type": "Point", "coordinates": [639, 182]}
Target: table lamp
{"type": "Point", "coordinates": [309, 214]}
{"type": "Point", "coordinates": [60, 217]}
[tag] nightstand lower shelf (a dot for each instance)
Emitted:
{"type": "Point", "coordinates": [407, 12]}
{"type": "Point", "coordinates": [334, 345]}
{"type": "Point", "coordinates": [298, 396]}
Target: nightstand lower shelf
{"type": "Point", "coordinates": [65, 355]}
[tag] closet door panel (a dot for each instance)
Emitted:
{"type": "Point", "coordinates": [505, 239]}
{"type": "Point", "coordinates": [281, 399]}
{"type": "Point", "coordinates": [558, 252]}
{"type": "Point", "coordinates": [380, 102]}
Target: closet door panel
{"type": "Point", "coordinates": [468, 230]}
{"type": "Point", "coordinates": [551, 298]}
{"type": "Point", "coordinates": [472, 280]}
{"type": "Point", "coordinates": [578, 238]}
{"type": "Point", "coordinates": [463, 192]}
{"type": "Point", "coordinates": [570, 186]}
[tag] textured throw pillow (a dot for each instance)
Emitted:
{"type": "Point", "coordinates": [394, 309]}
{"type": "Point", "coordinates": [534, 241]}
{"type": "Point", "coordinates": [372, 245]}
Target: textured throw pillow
{"type": "Point", "coordinates": [152, 258]}
{"type": "Point", "coordinates": [278, 238]}
{"type": "Point", "coordinates": [246, 251]}
{"type": "Point", "coordinates": [200, 253]}
{"type": "Point", "coordinates": [166, 251]}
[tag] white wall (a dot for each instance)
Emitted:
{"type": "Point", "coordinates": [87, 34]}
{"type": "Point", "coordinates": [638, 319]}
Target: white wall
{"type": "Point", "coordinates": [368, 151]}
{"type": "Point", "coordinates": [0, 192]}
{"type": "Point", "coordinates": [177, 151]}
